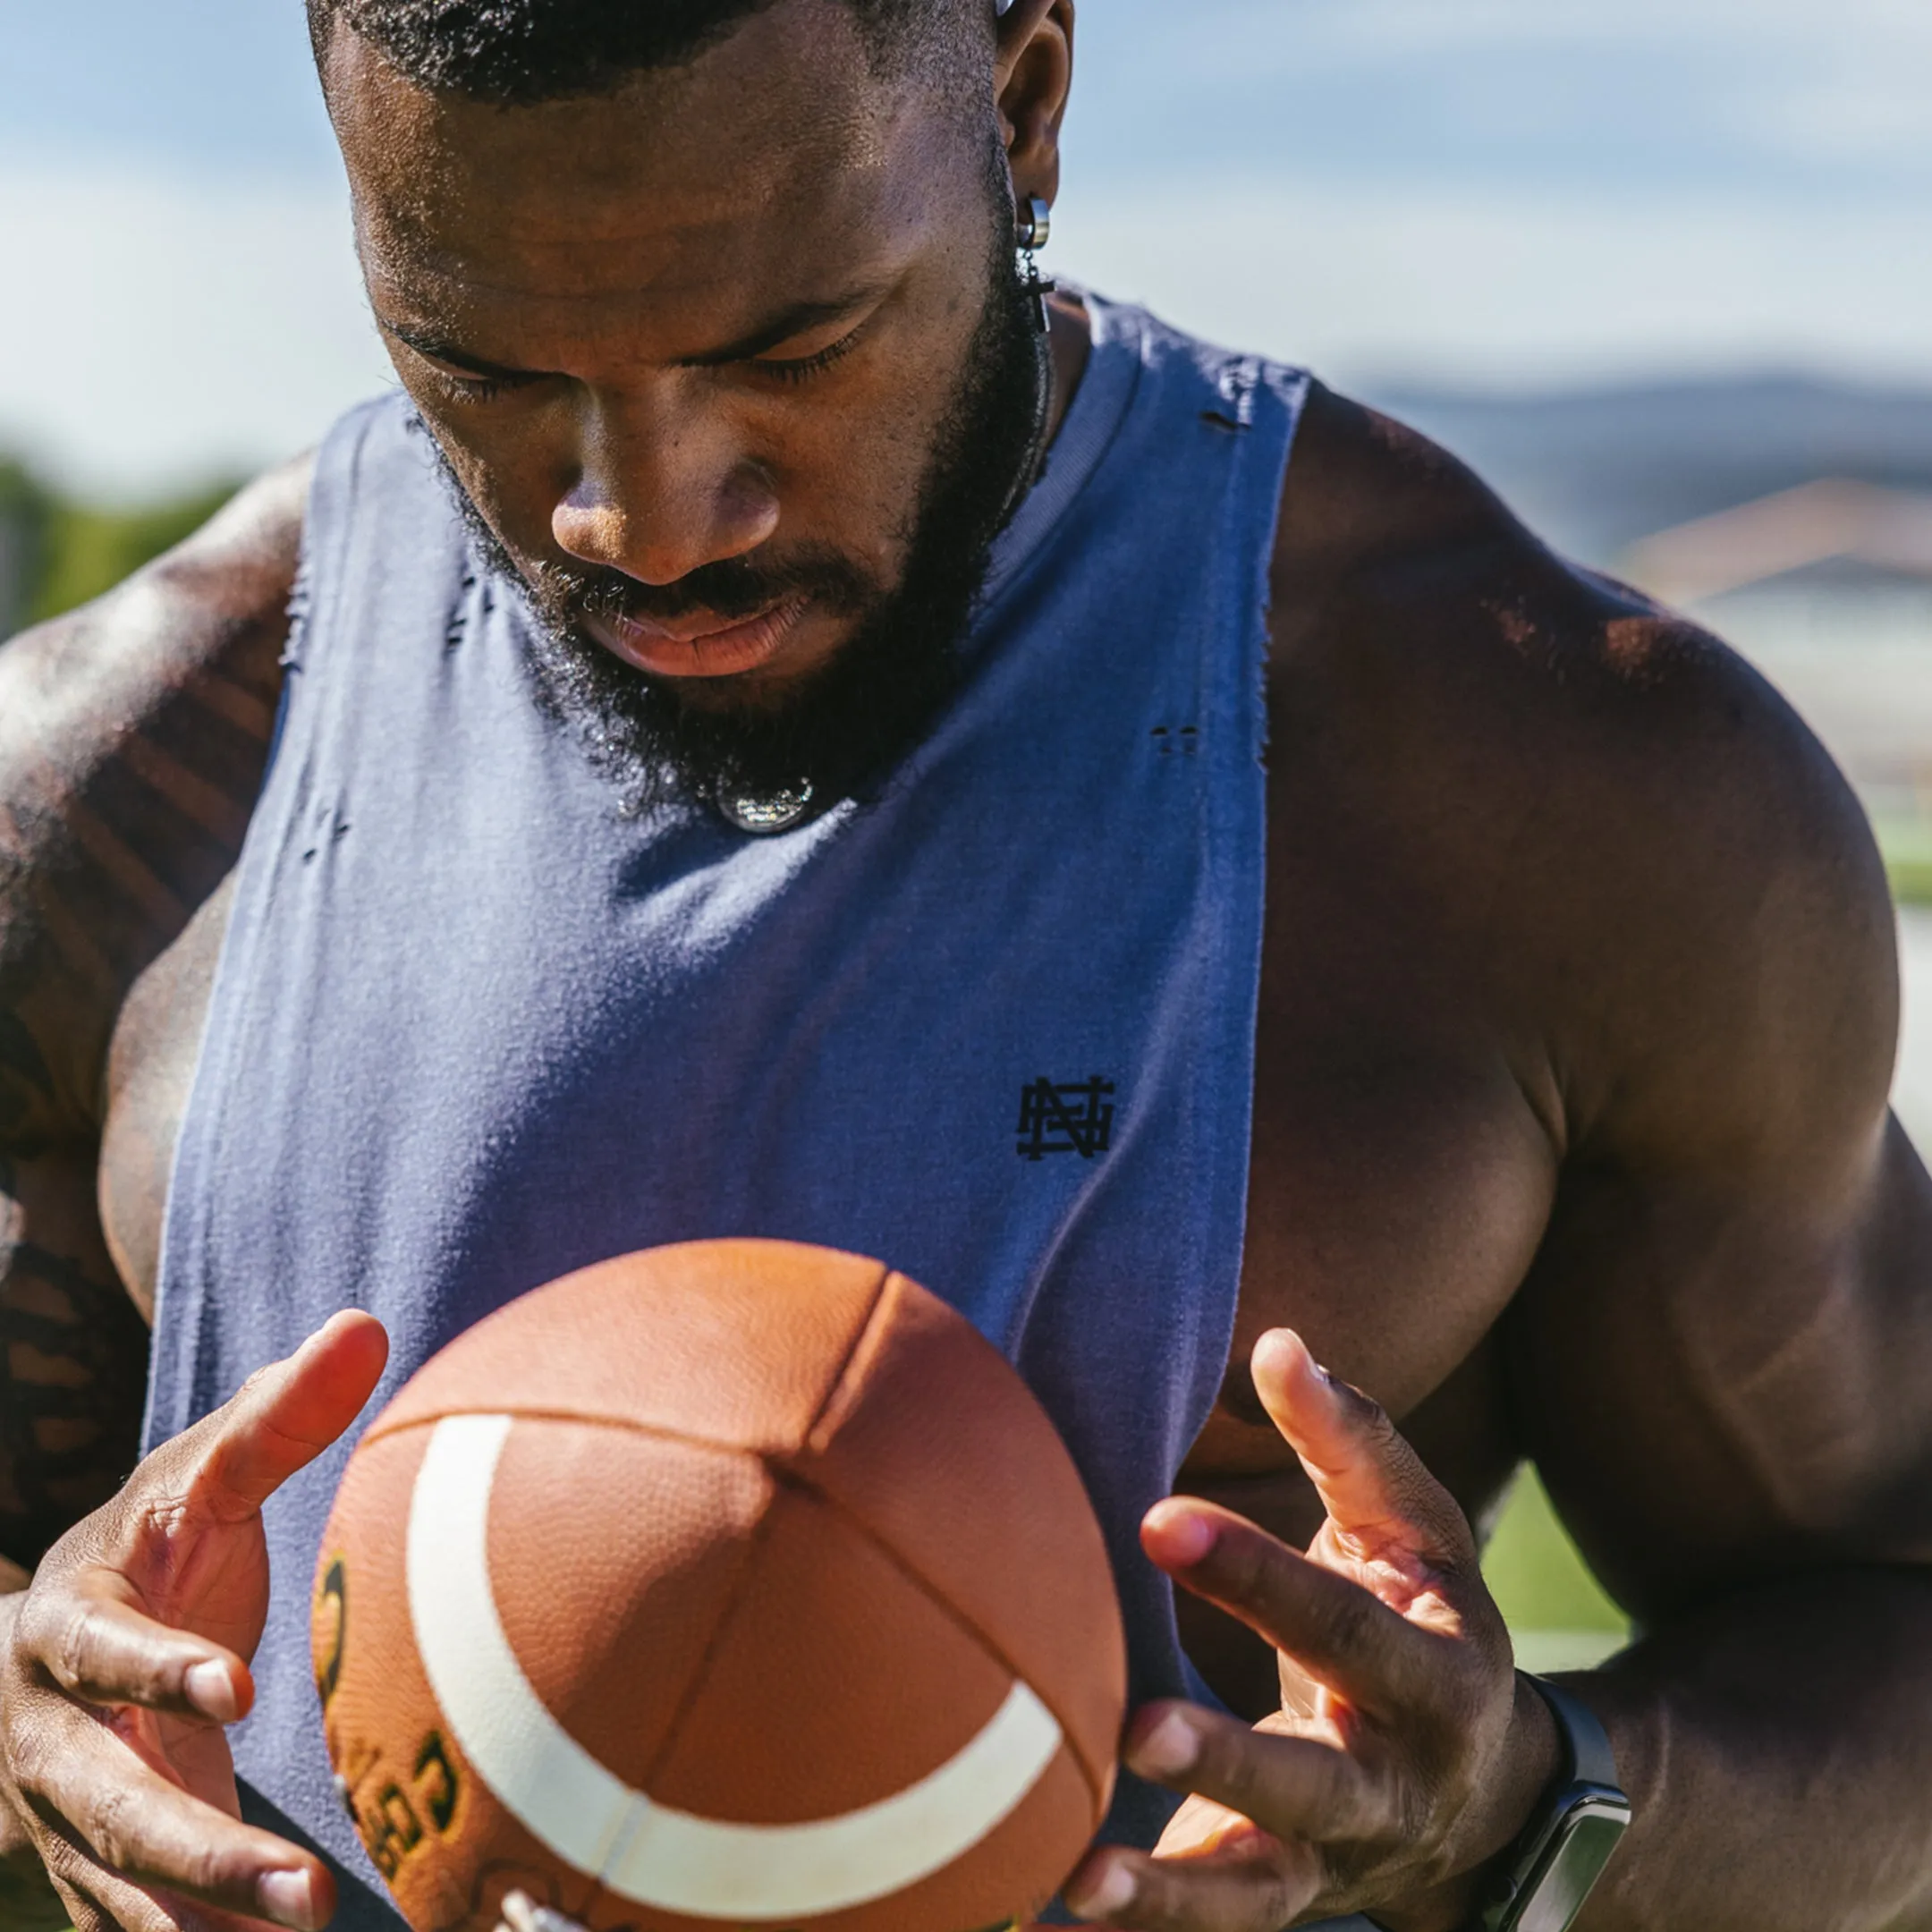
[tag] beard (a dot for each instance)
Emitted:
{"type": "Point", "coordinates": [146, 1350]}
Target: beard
{"type": "Point", "coordinates": [839, 733]}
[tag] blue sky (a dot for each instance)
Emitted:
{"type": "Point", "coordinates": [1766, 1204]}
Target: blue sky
{"type": "Point", "coordinates": [1501, 192]}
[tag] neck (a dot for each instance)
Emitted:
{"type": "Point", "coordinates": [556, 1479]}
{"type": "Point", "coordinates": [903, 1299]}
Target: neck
{"type": "Point", "coordinates": [1071, 339]}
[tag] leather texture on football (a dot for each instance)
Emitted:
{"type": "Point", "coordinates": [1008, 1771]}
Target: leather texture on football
{"type": "Point", "coordinates": [739, 1583]}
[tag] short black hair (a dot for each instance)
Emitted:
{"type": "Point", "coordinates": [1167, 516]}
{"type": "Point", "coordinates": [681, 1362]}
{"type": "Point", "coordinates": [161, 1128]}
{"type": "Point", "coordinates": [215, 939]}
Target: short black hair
{"type": "Point", "coordinates": [518, 53]}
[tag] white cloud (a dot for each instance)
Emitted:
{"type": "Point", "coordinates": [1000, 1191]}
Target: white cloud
{"type": "Point", "coordinates": [1518, 287]}
{"type": "Point", "coordinates": [1381, 27]}
{"type": "Point", "coordinates": [1497, 190]}
{"type": "Point", "coordinates": [158, 327]}
{"type": "Point", "coordinates": [1614, 87]}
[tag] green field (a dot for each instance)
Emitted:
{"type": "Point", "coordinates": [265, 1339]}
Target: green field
{"type": "Point", "coordinates": [1560, 1618]}
{"type": "Point", "coordinates": [1907, 845]}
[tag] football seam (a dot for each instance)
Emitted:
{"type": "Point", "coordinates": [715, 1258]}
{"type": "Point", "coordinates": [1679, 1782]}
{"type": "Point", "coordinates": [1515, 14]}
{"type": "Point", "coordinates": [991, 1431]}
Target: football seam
{"type": "Point", "coordinates": [785, 1477]}
{"type": "Point", "coordinates": [787, 1473]}
{"type": "Point", "coordinates": [967, 1624]}
{"type": "Point", "coordinates": [728, 1612]}
{"type": "Point", "coordinates": [656, 1431]}
{"type": "Point", "coordinates": [855, 1351]}
{"type": "Point", "coordinates": [381, 1430]}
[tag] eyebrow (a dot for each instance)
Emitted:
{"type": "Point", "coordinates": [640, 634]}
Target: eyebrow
{"type": "Point", "coordinates": [794, 320]}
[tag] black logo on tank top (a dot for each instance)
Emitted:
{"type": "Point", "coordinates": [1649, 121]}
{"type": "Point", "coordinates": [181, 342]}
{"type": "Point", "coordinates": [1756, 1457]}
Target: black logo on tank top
{"type": "Point", "coordinates": [1059, 1119]}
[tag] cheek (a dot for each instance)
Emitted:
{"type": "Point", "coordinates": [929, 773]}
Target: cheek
{"type": "Point", "coordinates": [851, 469]}
{"type": "Point", "coordinates": [513, 465]}
{"type": "Point", "coordinates": [858, 496]}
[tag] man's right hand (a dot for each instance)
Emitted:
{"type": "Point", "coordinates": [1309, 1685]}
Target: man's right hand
{"type": "Point", "coordinates": [120, 1665]}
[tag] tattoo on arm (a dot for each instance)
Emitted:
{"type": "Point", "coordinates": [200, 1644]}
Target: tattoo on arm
{"type": "Point", "coordinates": [106, 849]}
{"type": "Point", "coordinates": [134, 735]}
{"type": "Point", "coordinates": [25, 1082]}
{"type": "Point", "coordinates": [73, 1363]}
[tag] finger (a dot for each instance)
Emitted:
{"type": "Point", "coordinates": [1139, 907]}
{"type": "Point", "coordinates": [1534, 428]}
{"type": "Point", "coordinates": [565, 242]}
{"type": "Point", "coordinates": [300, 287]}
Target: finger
{"type": "Point", "coordinates": [288, 1414]}
{"type": "Point", "coordinates": [1373, 1485]}
{"type": "Point", "coordinates": [1259, 1887]}
{"type": "Point", "coordinates": [522, 1913]}
{"type": "Point", "coordinates": [132, 1824]}
{"type": "Point", "coordinates": [1341, 1633]}
{"type": "Point", "coordinates": [117, 1907]}
{"type": "Point", "coordinates": [96, 1646]}
{"type": "Point", "coordinates": [1291, 1787]}
{"type": "Point", "coordinates": [98, 1901]}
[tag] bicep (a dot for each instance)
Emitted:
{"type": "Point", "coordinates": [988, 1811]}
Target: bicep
{"type": "Point", "coordinates": [133, 738]}
{"type": "Point", "coordinates": [1719, 1359]}
{"type": "Point", "coordinates": [1715, 1393]}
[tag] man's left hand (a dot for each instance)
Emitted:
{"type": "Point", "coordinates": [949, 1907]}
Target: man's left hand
{"type": "Point", "coordinates": [1406, 1755]}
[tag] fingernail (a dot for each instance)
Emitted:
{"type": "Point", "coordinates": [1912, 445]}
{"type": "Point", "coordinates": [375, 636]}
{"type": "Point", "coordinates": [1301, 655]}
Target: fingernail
{"type": "Point", "coordinates": [1169, 1750]}
{"type": "Point", "coordinates": [288, 1897]}
{"type": "Point", "coordinates": [210, 1689]}
{"type": "Point", "coordinates": [1113, 1894]}
{"type": "Point", "coordinates": [1188, 1536]}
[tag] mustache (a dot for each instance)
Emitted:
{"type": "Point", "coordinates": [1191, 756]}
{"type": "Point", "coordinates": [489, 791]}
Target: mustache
{"type": "Point", "coordinates": [733, 588]}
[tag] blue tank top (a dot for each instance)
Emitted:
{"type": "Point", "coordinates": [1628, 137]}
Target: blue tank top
{"type": "Point", "coordinates": [475, 1028]}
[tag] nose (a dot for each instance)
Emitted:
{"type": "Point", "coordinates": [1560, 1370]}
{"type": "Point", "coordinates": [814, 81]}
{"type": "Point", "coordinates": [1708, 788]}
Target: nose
{"type": "Point", "coordinates": [661, 490]}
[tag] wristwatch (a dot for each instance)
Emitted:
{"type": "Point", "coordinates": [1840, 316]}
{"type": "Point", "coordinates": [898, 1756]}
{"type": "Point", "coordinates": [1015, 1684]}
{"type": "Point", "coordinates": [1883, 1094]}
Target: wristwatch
{"type": "Point", "coordinates": [1553, 1867]}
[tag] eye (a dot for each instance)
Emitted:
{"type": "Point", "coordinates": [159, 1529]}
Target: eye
{"type": "Point", "coordinates": [461, 385]}
{"type": "Point", "coordinates": [471, 388]}
{"type": "Point", "coordinates": [474, 389]}
{"type": "Point", "coordinates": [804, 368]}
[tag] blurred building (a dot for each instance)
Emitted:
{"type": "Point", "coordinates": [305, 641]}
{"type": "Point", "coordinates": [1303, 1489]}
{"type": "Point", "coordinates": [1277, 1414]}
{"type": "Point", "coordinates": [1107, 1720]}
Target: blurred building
{"type": "Point", "coordinates": [1795, 520]}
{"type": "Point", "coordinates": [1827, 588]}
{"type": "Point", "coordinates": [1793, 517]}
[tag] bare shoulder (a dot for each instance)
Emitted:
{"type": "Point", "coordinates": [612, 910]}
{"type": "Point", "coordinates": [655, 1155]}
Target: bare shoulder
{"type": "Point", "coordinates": [208, 600]}
{"type": "Point", "coordinates": [1619, 832]}
{"type": "Point", "coordinates": [133, 735]}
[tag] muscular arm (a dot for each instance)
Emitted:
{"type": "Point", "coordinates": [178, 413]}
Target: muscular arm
{"type": "Point", "coordinates": [1672, 907]}
{"type": "Point", "coordinates": [132, 740]}
{"type": "Point", "coordinates": [1722, 1358]}
{"type": "Point", "coordinates": [1648, 901]}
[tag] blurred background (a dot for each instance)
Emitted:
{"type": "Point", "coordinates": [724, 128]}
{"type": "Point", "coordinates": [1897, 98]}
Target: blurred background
{"type": "Point", "coordinates": [1654, 266]}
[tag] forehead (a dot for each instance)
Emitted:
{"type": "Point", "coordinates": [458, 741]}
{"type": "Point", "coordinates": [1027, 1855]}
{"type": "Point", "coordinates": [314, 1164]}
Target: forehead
{"type": "Point", "coordinates": [777, 157]}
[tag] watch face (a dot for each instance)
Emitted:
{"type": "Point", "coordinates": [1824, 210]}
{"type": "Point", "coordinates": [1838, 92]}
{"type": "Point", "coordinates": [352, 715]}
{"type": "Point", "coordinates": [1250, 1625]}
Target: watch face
{"type": "Point", "coordinates": [1584, 1842]}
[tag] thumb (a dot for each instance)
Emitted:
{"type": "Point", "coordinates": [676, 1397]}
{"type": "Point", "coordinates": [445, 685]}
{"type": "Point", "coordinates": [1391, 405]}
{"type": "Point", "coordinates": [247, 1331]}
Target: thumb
{"type": "Point", "coordinates": [1373, 1485]}
{"type": "Point", "coordinates": [285, 1416]}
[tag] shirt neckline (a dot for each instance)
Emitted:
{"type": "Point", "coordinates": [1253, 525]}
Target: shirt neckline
{"type": "Point", "coordinates": [1092, 419]}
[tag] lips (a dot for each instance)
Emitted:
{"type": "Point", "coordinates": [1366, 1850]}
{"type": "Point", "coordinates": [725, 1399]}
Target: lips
{"type": "Point", "coordinates": [700, 645]}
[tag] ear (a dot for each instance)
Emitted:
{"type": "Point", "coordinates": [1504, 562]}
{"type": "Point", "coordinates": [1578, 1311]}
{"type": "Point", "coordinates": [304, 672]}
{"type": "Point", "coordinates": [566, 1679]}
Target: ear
{"type": "Point", "coordinates": [1033, 73]}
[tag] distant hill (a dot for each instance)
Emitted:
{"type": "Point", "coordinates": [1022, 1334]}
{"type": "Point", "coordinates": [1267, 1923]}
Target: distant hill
{"type": "Point", "coordinates": [1596, 470]}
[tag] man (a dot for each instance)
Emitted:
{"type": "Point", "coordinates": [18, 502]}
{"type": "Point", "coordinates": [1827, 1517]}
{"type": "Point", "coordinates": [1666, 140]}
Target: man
{"type": "Point", "coordinates": [761, 722]}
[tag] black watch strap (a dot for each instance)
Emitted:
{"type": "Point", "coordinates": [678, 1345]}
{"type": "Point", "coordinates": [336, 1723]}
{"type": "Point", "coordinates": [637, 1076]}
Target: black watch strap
{"type": "Point", "coordinates": [1586, 1743]}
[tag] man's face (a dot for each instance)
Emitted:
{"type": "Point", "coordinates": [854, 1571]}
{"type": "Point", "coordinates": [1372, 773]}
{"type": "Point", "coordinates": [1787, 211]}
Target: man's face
{"type": "Point", "coordinates": [733, 369]}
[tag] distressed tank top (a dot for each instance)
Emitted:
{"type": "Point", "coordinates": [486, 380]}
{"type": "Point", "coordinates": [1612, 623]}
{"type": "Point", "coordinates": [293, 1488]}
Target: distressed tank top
{"type": "Point", "coordinates": [475, 1027]}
